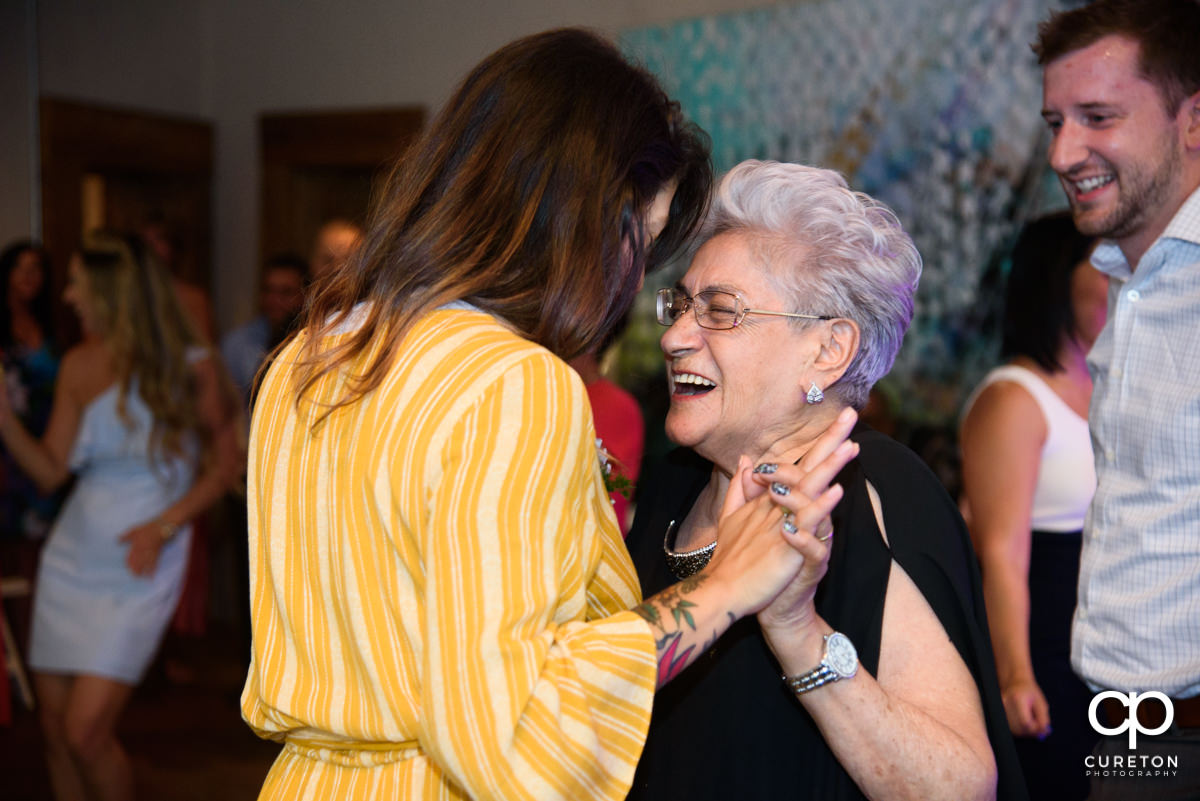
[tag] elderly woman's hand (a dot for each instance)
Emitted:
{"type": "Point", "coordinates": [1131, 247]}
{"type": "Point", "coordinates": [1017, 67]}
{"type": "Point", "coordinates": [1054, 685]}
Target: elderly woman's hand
{"type": "Point", "coordinates": [762, 563]}
{"type": "Point", "coordinates": [793, 607]}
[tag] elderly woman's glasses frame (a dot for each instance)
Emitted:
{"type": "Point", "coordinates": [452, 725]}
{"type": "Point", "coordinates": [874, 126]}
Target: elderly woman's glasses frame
{"type": "Point", "coordinates": [714, 310]}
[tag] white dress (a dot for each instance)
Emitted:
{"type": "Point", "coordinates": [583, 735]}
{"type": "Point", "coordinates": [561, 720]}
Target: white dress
{"type": "Point", "coordinates": [91, 614]}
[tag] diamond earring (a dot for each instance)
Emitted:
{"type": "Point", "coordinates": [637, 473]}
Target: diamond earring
{"type": "Point", "coordinates": [815, 395]}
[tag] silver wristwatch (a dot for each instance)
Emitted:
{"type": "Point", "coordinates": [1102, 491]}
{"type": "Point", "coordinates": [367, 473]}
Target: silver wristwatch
{"type": "Point", "coordinates": [839, 662]}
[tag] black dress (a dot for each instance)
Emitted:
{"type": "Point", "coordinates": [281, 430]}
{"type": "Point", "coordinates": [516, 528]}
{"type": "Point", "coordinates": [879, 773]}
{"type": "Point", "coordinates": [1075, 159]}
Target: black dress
{"type": "Point", "coordinates": [727, 727]}
{"type": "Point", "coordinates": [1052, 765]}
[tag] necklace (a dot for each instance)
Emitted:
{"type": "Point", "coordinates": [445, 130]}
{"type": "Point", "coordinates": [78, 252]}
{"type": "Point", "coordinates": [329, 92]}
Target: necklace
{"type": "Point", "coordinates": [686, 563]}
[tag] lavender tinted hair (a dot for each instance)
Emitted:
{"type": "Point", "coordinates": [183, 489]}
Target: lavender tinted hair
{"type": "Point", "coordinates": [832, 250]}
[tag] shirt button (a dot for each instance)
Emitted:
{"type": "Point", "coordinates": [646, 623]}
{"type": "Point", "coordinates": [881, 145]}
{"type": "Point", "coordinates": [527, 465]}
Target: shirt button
{"type": "Point", "coordinates": [1134, 295]}
{"type": "Point", "coordinates": [1110, 454]}
{"type": "Point", "coordinates": [1116, 372]}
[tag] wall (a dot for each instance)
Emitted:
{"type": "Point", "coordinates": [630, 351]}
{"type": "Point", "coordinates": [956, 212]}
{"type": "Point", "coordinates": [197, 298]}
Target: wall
{"type": "Point", "coordinates": [230, 60]}
{"type": "Point", "coordinates": [16, 121]}
{"type": "Point", "coordinates": [137, 53]}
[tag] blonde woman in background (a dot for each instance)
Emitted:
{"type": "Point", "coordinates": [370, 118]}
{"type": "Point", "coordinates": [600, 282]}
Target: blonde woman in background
{"type": "Point", "coordinates": [141, 418]}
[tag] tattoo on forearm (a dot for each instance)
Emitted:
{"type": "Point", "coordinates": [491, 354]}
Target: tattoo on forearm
{"type": "Point", "coordinates": [668, 612]}
{"type": "Point", "coordinates": [716, 635]}
{"type": "Point", "coordinates": [671, 600]}
{"type": "Point", "coordinates": [670, 662]}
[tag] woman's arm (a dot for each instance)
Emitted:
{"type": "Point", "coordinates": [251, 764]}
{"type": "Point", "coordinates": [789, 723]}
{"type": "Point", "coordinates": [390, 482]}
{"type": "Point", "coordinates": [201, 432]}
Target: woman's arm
{"type": "Point", "coordinates": [918, 731]}
{"type": "Point", "coordinates": [219, 420]}
{"type": "Point", "coordinates": [46, 460]}
{"type": "Point", "coordinates": [1001, 440]}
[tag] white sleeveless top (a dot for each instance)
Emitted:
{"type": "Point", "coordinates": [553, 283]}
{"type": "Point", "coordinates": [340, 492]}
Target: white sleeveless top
{"type": "Point", "coordinates": [1067, 475]}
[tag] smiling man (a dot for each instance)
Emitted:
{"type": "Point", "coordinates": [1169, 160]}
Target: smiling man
{"type": "Point", "coordinates": [1122, 99]}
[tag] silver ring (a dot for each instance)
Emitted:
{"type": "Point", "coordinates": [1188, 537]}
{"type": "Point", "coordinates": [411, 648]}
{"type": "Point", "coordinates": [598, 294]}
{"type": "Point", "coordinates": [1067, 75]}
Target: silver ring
{"type": "Point", "coordinates": [780, 489]}
{"type": "Point", "coordinates": [828, 536]}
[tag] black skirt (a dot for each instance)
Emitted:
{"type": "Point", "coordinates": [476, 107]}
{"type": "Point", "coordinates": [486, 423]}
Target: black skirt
{"type": "Point", "coordinates": [1053, 767]}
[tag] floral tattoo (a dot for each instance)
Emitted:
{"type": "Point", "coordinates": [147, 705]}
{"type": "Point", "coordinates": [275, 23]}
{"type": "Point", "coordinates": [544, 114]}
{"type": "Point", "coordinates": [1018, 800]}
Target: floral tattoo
{"type": "Point", "coordinates": [669, 612]}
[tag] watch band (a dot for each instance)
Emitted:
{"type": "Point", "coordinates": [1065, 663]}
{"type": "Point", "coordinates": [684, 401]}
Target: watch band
{"type": "Point", "coordinates": [840, 661]}
{"type": "Point", "coordinates": [817, 677]}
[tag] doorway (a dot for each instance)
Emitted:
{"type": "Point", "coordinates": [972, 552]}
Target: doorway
{"type": "Point", "coordinates": [324, 165]}
{"type": "Point", "coordinates": [122, 169]}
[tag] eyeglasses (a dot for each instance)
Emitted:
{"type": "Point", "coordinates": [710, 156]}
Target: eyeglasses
{"type": "Point", "coordinates": [716, 311]}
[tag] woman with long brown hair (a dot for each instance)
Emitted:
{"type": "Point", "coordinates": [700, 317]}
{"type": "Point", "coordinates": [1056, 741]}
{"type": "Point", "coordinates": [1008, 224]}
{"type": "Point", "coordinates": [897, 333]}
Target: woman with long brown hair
{"type": "Point", "coordinates": [141, 419]}
{"type": "Point", "coordinates": [442, 604]}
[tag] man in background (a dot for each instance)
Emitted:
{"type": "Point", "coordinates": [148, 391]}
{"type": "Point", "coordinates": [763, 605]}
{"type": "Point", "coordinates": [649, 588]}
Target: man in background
{"type": "Point", "coordinates": [335, 242]}
{"type": "Point", "coordinates": [280, 300]}
{"type": "Point", "coordinates": [1122, 99]}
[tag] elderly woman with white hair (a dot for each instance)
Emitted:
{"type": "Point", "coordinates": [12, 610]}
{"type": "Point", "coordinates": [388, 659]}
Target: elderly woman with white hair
{"type": "Point", "coordinates": [796, 302]}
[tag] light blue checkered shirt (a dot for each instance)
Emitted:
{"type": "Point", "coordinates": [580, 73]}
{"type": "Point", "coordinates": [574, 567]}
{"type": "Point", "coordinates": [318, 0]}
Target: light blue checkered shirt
{"type": "Point", "coordinates": [1137, 625]}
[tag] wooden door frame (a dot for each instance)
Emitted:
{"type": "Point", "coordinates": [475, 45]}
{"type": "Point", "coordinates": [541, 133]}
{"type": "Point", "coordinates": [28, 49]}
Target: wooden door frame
{"type": "Point", "coordinates": [78, 138]}
{"type": "Point", "coordinates": [291, 141]}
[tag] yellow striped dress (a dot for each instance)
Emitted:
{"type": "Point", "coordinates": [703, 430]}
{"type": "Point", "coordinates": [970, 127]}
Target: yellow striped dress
{"type": "Point", "coordinates": [438, 583]}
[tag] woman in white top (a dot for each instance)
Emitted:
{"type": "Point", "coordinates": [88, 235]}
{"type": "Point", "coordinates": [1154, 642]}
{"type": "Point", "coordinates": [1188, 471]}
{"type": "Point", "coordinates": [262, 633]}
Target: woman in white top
{"type": "Point", "coordinates": [1029, 477]}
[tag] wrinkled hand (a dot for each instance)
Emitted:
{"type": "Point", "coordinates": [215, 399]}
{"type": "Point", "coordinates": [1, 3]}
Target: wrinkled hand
{"type": "Point", "coordinates": [824, 445]}
{"type": "Point", "coordinates": [754, 554]}
{"type": "Point", "coordinates": [1026, 708]}
{"type": "Point", "coordinates": [145, 543]}
{"type": "Point", "coordinates": [793, 607]}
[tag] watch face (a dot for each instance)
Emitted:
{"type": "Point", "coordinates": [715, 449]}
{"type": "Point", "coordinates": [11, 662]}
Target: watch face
{"type": "Point", "coordinates": [841, 655]}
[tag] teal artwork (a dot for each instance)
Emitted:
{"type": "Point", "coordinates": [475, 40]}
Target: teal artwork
{"type": "Point", "coordinates": [932, 106]}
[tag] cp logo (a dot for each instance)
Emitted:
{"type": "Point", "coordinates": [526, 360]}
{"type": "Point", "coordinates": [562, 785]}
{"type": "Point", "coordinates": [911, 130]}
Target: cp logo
{"type": "Point", "coordinates": [1130, 700]}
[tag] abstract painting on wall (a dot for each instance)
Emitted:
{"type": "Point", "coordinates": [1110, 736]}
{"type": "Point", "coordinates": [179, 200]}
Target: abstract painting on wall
{"type": "Point", "coordinates": [932, 106]}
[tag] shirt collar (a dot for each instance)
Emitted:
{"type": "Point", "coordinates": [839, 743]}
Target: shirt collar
{"type": "Point", "coordinates": [1185, 225]}
{"type": "Point", "coordinates": [354, 319]}
{"type": "Point", "coordinates": [1108, 259]}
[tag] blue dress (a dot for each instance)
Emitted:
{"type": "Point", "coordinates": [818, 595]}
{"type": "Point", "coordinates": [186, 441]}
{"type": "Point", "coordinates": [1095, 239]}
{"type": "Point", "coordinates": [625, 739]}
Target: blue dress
{"type": "Point", "coordinates": [91, 614]}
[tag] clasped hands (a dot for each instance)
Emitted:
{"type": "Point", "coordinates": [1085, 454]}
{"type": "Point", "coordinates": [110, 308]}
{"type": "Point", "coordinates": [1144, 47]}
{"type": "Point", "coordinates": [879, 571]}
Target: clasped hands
{"type": "Point", "coordinates": [803, 501]}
